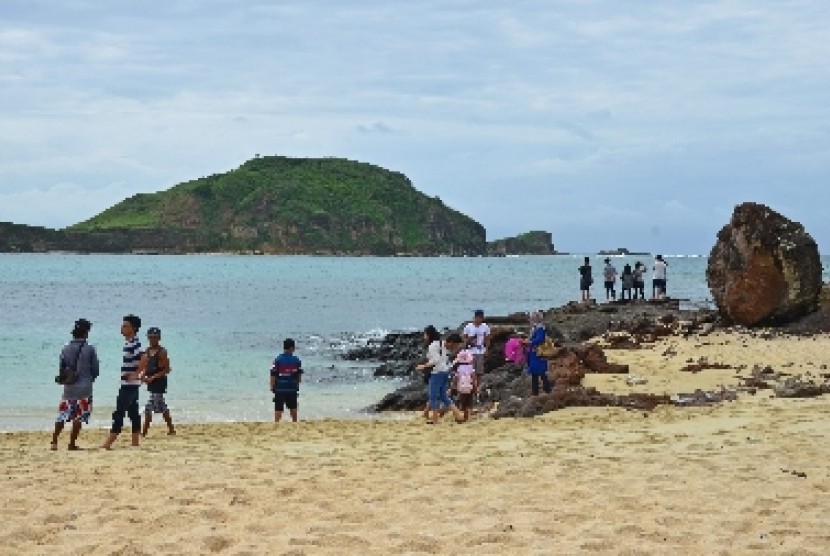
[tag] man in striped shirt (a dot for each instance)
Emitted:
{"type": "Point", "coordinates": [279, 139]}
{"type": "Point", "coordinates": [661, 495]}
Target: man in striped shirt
{"type": "Point", "coordinates": [127, 400]}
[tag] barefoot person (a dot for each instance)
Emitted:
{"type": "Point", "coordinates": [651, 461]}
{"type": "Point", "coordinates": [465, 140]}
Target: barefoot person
{"type": "Point", "coordinates": [127, 400]}
{"type": "Point", "coordinates": [466, 382]}
{"type": "Point", "coordinates": [439, 380]}
{"type": "Point", "coordinates": [154, 368]}
{"type": "Point", "coordinates": [76, 402]}
{"type": "Point", "coordinates": [286, 374]}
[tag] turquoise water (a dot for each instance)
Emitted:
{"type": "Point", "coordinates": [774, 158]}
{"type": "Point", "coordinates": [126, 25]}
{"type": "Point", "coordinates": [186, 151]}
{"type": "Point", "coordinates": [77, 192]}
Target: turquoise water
{"type": "Point", "coordinates": [223, 319]}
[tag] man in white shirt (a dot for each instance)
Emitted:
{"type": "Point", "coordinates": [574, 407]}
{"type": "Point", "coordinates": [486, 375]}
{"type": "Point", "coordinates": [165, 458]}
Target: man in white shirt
{"type": "Point", "coordinates": [476, 336]}
{"type": "Point", "coordinates": [659, 281]}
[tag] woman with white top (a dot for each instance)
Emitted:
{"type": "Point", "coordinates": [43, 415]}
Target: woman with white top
{"type": "Point", "coordinates": [439, 380]}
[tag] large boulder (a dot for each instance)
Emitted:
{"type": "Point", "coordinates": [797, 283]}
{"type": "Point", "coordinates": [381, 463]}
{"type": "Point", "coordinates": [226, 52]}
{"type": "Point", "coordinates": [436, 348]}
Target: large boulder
{"type": "Point", "coordinates": [764, 268]}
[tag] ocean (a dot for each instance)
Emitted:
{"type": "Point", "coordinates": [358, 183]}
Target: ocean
{"type": "Point", "coordinates": [223, 319]}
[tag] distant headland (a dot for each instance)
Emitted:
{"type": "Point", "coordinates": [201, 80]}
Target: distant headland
{"type": "Point", "coordinates": [280, 205]}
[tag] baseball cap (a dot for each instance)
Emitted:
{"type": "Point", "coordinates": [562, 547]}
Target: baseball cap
{"type": "Point", "coordinates": [154, 331]}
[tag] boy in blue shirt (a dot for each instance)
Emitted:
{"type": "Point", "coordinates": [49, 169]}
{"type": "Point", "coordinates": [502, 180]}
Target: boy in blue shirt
{"type": "Point", "coordinates": [286, 373]}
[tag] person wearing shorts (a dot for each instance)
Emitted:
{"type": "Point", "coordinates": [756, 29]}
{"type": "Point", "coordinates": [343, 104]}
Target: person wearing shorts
{"type": "Point", "coordinates": [476, 337]}
{"type": "Point", "coordinates": [286, 373]}
{"type": "Point", "coordinates": [153, 370]}
{"type": "Point", "coordinates": [659, 281]}
{"type": "Point", "coordinates": [585, 280]}
{"type": "Point", "coordinates": [76, 402]}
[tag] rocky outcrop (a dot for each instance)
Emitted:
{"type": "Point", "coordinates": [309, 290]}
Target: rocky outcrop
{"type": "Point", "coordinates": [576, 396]}
{"type": "Point", "coordinates": [764, 268]}
{"type": "Point", "coordinates": [530, 243]}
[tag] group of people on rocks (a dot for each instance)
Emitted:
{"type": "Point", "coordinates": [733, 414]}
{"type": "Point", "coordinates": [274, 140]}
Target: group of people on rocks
{"type": "Point", "coordinates": [632, 280]}
{"type": "Point", "coordinates": [79, 368]}
{"type": "Point", "coordinates": [454, 365]}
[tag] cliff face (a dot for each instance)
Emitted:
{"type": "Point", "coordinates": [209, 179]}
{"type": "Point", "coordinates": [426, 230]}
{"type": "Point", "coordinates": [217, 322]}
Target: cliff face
{"type": "Point", "coordinates": [278, 205]}
{"type": "Point", "coordinates": [530, 243]}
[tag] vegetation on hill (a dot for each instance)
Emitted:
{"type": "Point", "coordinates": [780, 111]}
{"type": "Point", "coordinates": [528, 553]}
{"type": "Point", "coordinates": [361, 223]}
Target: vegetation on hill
{"type": "Point", "coordinates": [288, 205]}
{"type": "Point", "coordinates": [530, 243]}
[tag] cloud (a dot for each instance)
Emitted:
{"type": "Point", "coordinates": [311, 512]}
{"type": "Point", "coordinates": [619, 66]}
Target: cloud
{"type": "Point", "coordinates": [377, 127]}
{"type": "Point", "coordinates": [568, 116]}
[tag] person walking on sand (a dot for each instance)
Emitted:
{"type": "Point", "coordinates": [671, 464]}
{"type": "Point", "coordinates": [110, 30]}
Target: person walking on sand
{"type": "Point", "coordinates": [476, 337]}
{"type": "Point", "coordinates": [466, 382]}
{"type": "Point", "coordinates": [627, 282]}
{"type": "Point", "coordinates": [639, 280]}
{"type": "Point", "coordinates": [659, 281]}
{"type": "Point", "coordinates": [609, 273]}
{"type": "Point", "coordinates": [76, 402]}
{"type": "Point", "coordinates": [438, 364]}
{"type": "Point", "coordinates": [127, 400]}
{"type": "Point", "coordinates": [537, 367]}
{"type": "Point", "coordinates": [585, 280]}
{"type": "Point", "coordinates": [153, 371]}
{"type": "Point", "coordinates": [286, 374]}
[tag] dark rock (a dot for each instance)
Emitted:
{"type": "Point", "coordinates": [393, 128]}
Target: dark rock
{"type": "Point", "coordinates": [392, 369]}
{"type": "Point", "coordinates": [575, 396]}
{"type": "Point", "coordinates": [799, 387]}
{"type": "Point", "coordinates": [410, 397]}
{"type": "Point", "coordinates": [701, 397]}
{"type": "Point", "coordinates": [703, 365]}
{"type": "Point", "coordinates": [764, 268]}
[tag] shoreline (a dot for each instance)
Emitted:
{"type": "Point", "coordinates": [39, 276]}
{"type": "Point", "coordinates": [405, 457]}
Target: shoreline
{"type": "Point", "coordinates": [734, 477]}
{"type": "Point", "coordinates": [738, 477]}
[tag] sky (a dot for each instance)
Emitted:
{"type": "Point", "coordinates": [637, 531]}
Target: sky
{"type": "Point", "coordinates": [637, 124]}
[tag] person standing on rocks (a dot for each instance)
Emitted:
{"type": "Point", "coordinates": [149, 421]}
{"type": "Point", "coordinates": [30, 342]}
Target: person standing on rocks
{"type": "Point", "coordinates": [476, 336]}
{"type": "Point", "coordinates": [639, 280]}
{"type": "Point", "coordinates": [76, 402]}
{"type": "Point", "coordinates": [585, 280]}
{"type": "Point", "coordinates": [627, 282]}
{"type": "Point", "coordinates": [659, 281]}
{"type": "Point", "coordinates": [537, 367]}
{"type": "Point", "coordinates": [609, 273]}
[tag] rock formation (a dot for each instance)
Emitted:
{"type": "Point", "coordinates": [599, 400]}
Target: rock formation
{"type": "Point", "coordinates": [764, 268]}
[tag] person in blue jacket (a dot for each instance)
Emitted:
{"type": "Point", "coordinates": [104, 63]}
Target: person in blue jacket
{"type": "Point", "coordinates": [537, 367]}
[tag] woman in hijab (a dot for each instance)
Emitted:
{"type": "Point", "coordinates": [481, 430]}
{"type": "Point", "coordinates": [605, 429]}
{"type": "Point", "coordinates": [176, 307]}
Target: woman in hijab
{"type": "Point", "coordinates": [537, 367]}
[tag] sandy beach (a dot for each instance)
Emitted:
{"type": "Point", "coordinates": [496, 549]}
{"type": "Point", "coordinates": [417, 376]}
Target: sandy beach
{"type": "Point", "coordinates": [741, 477]}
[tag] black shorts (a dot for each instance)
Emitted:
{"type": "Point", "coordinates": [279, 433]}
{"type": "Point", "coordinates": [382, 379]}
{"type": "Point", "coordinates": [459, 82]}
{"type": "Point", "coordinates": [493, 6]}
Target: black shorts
{"type": "Point", "coordinates": [465, 401]}
{"type": "Point", "coordinates": [659, 284]}
{"type": "Point", "coordinates": [609, 285]}
{"type": "Point", "coordinates": [285, 399]}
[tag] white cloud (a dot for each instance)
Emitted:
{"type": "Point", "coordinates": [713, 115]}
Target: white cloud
{"type": "Point", "coordinates": [596, 111]}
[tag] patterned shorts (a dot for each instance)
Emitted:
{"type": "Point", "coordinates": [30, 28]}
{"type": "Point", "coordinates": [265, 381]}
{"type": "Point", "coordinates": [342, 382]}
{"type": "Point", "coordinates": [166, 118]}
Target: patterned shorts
{"type": "Point", "coordinates": [155, 404]}
{"type": "Point", "coordinates": [71, 410]}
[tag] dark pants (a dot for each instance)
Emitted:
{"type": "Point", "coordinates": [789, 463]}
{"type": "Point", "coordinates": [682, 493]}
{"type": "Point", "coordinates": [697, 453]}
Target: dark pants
{"type": "Point", "coordinates": [534, 384]}
{"type": "Point", "coordinates": [126, 402]}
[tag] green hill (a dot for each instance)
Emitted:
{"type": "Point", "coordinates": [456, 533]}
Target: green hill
{"type": "Point", "coordinates": [530, 243]}
{"type": "Point", "coordinates": [288, 205]}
